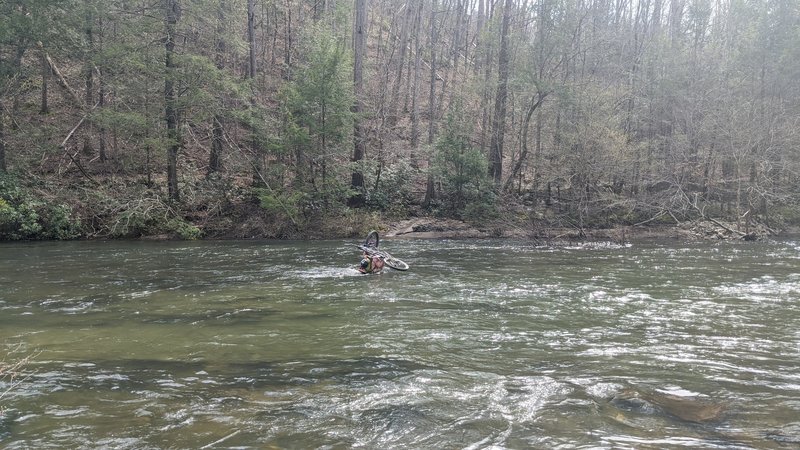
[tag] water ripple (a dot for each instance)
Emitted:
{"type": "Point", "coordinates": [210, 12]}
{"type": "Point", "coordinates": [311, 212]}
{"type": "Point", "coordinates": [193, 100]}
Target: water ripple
{"type": "Point", "coordinates": [482, 344]}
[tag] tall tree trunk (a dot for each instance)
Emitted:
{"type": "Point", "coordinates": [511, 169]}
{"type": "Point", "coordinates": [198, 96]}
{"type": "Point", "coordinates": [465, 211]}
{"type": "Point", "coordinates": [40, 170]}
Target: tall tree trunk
{"type": "Point", "coordinates": [461, 35]}
{"type": "Point", "coordinates": [480, 23]}
{"type": "Point", "coordinates": [251, 39]}
{"type": "Point", "coordinates": [537, 155]}
{"type": "Point", "coordinates": [398, 80]}
{"type": "Point", "coordinates": [482, 63]}
{"type": "Point", "coordinates": [217, 131]}
{"type": "Point", "coordinates": [443, 60]}
{"type": "Point", "coordinates": [101, 94]}
{"type": "Point", "coordinates": [359, 142]}
{"type": "Point", "coordinates": [388, 61]}
{"type": "Point", "coordinates": [3, 166]}
{"type": "Point", "coordinates": [675, 21]}
{"type": "Point", "coordinates": [499, 122]}
{"type": "Point", "coordinates": [89, 76]}
{"type": "Point", "coordinates": [287, 43]}
{"type": "Point", "coordinates": [484, 105]}
{"type": "Point", "coordinates": [170, 108]}
{"type": "Point", "coordinates": [15, 69]}
{"type": "Point", "coordinates": [536, 101]}
{"type": "Point", "coordinates": [101, 103]}
{"type": "Point", "coordinates": [430, 191]}
{"type": "Point", "coordinates": [415, 87]}
{"type": "Point", "coordinates": [258, 156]}
{"type": "Point", "coordinates": [45, 109]}
{"type": "Point", "coordinates": [217, 136]}
{"type": "Point", "coordinates": [432, 85]}
{"type": "Point", "coordinates": [275, 27]}
{"type": "Point", "coordinates": [6, 79]}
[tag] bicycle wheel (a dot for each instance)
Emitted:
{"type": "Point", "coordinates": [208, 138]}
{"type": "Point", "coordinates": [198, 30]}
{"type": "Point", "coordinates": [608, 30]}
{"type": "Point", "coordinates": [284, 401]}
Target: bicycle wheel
{"type": "Point", "coordinates": [372, 239]}
{"type": "Point", "coordinates": [395, 263]}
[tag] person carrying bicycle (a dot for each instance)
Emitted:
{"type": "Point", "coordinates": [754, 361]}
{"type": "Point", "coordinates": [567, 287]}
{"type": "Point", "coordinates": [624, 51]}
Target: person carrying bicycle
{"type": "Point", "coordinates": [373, 260]}
{"type": "Point", "coordinates": [370, 263]}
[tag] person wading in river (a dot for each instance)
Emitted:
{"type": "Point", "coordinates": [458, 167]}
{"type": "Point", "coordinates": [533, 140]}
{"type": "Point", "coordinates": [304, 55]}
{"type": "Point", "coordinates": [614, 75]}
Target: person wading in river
{"type": "Point", "coordinates": [370, 264]}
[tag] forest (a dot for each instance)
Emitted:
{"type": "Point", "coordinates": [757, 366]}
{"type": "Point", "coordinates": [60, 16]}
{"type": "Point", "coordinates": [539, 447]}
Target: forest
{"type": "Point", "coordinates": [326, 118]}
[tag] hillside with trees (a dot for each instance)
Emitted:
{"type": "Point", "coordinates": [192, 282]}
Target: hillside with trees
{"type": "Point", "coordinates": [324, 118]}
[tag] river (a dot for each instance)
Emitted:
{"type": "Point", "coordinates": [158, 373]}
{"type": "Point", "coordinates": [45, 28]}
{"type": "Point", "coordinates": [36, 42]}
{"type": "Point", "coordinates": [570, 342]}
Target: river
{"type": "Point", "coordinates": [482, 344]}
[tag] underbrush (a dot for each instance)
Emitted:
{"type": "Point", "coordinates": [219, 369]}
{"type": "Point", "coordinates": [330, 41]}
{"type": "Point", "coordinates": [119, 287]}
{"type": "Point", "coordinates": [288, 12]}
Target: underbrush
{"type": "Point", "coordinates": [31, 213]}
{"type": "Point", "coordinates": [224, 207]}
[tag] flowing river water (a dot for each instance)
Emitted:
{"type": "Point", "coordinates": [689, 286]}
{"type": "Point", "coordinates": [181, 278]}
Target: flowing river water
{"type": "Point", "coordinates": [482, 344]}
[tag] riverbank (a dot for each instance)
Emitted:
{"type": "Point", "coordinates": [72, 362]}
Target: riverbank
{"type": "Point", "coordinates": [131, 211]}
{"type": "Point", "coordinates": [433, 228]}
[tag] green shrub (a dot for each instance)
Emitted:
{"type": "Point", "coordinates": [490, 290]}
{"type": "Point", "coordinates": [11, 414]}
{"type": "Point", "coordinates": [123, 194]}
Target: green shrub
{"type": "Point", "coordinates": [18, 213]}
{"type": "Point", "coordinates": [24, 216]}
{"type": "Point", "coordinates": [60, 223]}
{"type": "Point", "coordinates": [29, 226]}
{"type": "Point", "coordinates": [184, 230]}
{"type": "Point", "coordinates": [20, 222]}
{"type": "Point", "coordinates": [8, 219]}
{"type": "Point", "coordinates": [287, 205]}
{"type": "Point", "coordinates": [394, 191]}
{"type": "Point", "coordinates": [481, 206]}
{"type": "Point", "coordinates": [462, 170]}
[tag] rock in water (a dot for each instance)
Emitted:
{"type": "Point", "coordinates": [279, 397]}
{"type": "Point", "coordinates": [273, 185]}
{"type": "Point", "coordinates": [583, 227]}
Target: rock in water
{"type": "Point", "coordinates": [690, 409]}
{"type": "Point", "coordinates": [789, 434]}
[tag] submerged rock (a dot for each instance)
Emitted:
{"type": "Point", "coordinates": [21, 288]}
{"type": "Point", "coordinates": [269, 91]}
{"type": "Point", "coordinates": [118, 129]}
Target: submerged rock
{"type": "Point", "coordinates": [789, 434]}
{"type": "Point", "coordinates": [687, 408]}
{"type": "Point", "coordinates": [7, 417]}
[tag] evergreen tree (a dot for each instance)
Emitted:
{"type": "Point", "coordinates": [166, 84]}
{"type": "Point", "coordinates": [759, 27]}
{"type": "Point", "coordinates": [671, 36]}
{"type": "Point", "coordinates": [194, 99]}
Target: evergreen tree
{"type": "Point", "coordinates": [461, 169]}
{"type": "Point", "coordinates": [318, 105]}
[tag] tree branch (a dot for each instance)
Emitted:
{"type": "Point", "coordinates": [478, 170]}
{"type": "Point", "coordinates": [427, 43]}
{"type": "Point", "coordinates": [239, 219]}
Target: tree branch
{"type": "Point", "coordinates": [61, 80]}
{"type": "Point", "coordinates": [63, 147]}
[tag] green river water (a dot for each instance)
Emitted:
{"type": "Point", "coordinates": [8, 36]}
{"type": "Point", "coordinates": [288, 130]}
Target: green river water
{"type": "Point", "coordinates": [482, 344]}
